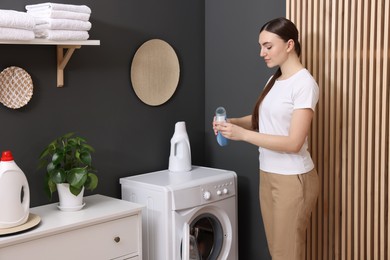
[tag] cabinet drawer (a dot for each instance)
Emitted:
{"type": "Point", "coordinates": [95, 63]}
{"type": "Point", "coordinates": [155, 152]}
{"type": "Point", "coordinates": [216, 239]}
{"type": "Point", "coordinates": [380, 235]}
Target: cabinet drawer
{"type": "Point", "coordinates": [108, 240]}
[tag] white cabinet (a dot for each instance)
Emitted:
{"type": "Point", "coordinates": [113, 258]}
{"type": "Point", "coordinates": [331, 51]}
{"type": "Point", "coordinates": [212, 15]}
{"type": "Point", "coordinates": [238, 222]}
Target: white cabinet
{"type": "Point", "coordinates": [106, 228]}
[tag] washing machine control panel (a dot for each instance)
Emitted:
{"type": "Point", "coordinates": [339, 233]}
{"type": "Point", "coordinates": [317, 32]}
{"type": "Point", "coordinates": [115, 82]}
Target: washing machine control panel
{"type": "Point", "coordinates": [218, 190]}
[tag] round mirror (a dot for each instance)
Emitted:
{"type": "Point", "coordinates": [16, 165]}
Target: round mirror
{"type": "Point", "coordinates": [155, 72]}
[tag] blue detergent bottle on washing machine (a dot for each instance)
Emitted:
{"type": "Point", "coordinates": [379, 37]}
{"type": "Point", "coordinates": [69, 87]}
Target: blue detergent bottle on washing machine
{"type": "Point", "coordinates": [220, 116]}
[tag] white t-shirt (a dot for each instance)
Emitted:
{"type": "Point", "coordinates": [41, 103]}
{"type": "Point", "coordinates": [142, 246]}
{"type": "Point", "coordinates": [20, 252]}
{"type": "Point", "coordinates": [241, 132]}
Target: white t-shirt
{"type": "Point", "coordinates": [297, 92]}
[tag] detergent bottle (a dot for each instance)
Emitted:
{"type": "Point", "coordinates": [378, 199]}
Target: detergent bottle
{"type": "Point", "coordinates": [180, 156]}
{"type": "Point", "coordinates": [220, 116]}
{"type": "Point", "coordinates": [14, 193]}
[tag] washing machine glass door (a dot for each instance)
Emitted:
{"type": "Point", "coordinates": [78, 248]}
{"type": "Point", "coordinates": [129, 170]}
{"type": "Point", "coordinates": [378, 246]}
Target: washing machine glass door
{"type": "Point", "coordinates": [203, 238]}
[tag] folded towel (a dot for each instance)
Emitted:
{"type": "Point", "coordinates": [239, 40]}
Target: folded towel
{"type": "Point", "coordinates": [63, 7]}
{"type": "Point", "coordinates": [61, 35]}
{"type": "Point", "coordinates": [58, 14]}
{"type": "Point", "coordinates": [39, 21]}
{"type": "Point", "coordinates": [12, 34]}
{"type": "Point", "coordinates": [64, 24]}
{"type": "Point", "coordinates": [14, 19]}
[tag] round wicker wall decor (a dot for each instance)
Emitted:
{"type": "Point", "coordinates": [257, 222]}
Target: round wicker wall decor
{"type": "Point", "coordinates": [155, 72]}
{"type": "Point", "coordinates": [16, 87]}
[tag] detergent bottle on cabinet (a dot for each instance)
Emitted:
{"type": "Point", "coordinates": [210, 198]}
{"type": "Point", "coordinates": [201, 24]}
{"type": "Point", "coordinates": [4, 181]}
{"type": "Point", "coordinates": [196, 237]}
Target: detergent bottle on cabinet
{"type": "Point", "coordinates": [14, 193]}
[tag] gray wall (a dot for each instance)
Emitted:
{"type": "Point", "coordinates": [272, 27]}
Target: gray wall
{"type": "Point", "coordinates": [235, 75]}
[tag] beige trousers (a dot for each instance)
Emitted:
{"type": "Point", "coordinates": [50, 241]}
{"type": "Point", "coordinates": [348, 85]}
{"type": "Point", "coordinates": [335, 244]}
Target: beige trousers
{"type": "Point", "coordinates": [286, 203]}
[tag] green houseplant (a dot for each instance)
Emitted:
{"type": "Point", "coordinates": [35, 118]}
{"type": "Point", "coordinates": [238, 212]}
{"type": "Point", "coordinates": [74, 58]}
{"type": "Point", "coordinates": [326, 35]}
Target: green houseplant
{"type": "Point", "coordinates": [68, 160]}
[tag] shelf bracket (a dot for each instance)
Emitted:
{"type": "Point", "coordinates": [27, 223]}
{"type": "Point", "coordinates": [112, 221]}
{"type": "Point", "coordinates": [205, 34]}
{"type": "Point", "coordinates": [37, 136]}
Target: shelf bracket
{"type": "Point", "coordinates": [62, 60]}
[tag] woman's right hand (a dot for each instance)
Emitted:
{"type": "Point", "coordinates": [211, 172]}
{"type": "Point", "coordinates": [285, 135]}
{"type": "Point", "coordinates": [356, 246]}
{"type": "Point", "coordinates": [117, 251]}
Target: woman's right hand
{"type": "Point", "coordinates": [215, 123]}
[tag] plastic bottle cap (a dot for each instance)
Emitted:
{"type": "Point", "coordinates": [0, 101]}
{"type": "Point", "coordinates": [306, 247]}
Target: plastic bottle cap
{"type": "Point", "coordinates": [7, 156]}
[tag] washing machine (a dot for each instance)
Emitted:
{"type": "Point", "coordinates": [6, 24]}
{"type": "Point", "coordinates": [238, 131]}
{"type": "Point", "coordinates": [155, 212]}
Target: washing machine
{"type": "Point", "coordinates": [187, 215]}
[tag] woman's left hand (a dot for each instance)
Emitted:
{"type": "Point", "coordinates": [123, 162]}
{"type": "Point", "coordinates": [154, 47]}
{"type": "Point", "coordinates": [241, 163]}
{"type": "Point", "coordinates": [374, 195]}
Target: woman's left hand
{"type": "Point", "coordinates": [230, 131]}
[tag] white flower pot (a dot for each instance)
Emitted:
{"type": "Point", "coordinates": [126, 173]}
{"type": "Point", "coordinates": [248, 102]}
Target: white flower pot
{"type": "Point", "coordinates": [68, 201]}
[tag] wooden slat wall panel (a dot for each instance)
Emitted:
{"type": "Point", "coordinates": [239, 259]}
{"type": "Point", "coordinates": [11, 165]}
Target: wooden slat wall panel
{"type": "Point", "coordinates": [386, 121]}
{"type": "Point", "coordinates": [345, 45]}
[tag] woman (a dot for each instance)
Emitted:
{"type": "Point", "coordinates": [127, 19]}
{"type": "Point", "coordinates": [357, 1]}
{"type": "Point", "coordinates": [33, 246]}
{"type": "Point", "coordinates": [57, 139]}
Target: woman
{"type": "Point", "coordinates": [279, 126]}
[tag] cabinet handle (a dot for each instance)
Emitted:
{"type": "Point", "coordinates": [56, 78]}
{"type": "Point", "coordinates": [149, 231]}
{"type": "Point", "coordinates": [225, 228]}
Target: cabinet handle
{"type": "Point", "coordinates": [117, 239]}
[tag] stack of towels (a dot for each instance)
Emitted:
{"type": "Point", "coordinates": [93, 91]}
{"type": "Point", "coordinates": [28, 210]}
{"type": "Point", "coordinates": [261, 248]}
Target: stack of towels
{"type": "Point", "coordinates": [56, 21]}
{"type": "Point", "coordinates": [16, 25]}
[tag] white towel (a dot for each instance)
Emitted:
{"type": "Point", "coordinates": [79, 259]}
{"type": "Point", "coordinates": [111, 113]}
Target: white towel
{"type": "Point", "coordinates": [64, 24]}
{"type": "Point", "coordinates": [63, 7]}
{"type": "Point", "coordinates": [58, 14]}
{"type": "Point", "coordinates": [39, 20]}
{"type": "Point", "coordinates": [62, 35]}
{"type": "Point", "coordinates": [12, 34]}
{"type": "Point", "coordinates": [15, 19]}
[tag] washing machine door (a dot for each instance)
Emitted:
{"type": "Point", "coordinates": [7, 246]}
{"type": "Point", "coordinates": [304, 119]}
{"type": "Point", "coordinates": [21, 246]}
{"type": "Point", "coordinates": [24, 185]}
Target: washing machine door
{"type": "Point", "coordinates": [202, 238]}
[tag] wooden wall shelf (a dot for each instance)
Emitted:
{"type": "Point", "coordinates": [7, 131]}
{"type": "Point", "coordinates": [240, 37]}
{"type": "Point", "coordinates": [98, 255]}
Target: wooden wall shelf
{"type": "Point", "coordinates": [62, 58]}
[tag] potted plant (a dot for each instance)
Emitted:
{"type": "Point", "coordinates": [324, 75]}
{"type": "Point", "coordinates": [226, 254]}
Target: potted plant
{"type": "Point", "coordinates": [68, 164]}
